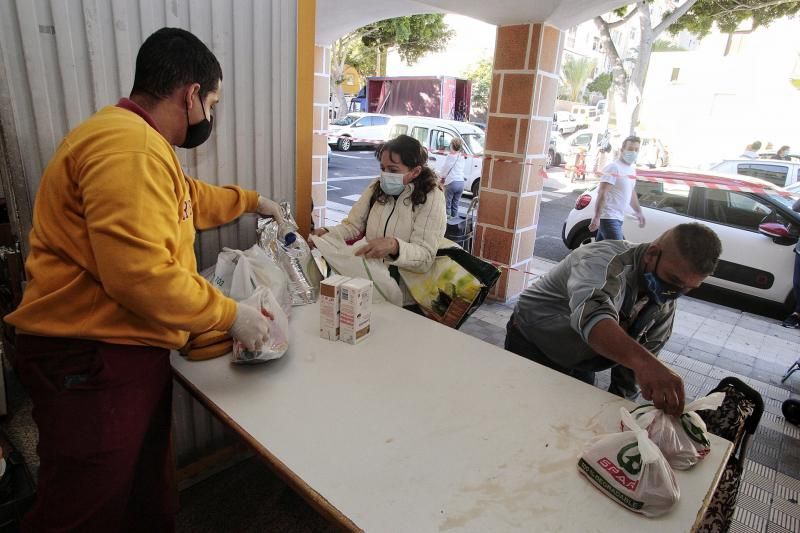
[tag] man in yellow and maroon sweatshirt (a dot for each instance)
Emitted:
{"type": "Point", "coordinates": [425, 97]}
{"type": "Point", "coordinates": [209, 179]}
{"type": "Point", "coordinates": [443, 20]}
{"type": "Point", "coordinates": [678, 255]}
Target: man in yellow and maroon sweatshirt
{"type": "Point", "coordinates": [113, 286]}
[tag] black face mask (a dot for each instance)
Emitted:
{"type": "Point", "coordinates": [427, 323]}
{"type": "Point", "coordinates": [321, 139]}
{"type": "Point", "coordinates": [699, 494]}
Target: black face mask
{"type": "Point", "coordinates": [197, 134]}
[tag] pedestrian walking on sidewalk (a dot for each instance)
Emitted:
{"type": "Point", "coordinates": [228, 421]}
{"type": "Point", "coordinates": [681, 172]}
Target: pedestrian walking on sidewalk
{"type": "Point", "coordinates": [616, 192]}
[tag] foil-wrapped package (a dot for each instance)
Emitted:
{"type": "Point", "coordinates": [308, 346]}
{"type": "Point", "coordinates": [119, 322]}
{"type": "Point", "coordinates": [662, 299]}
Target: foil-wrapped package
{"type": "Point", "coordinates": [291, 252]}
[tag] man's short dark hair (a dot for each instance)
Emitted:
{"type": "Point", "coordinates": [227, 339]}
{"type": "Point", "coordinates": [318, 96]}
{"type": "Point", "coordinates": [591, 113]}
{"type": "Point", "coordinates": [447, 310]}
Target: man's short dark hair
{"type": "Point", "coordinates": [756, 146]}
{"type": "Point", "coordinates": [632, 139]}
{"type": "Point", "coordinates": [171, 58]}
{"type": "Point", "coordinates": [698, 245]}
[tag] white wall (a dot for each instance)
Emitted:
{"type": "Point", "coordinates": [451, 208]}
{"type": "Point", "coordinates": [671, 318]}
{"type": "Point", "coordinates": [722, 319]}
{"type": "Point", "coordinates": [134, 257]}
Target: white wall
{"type": "Point", "coordinates": [721, 103]}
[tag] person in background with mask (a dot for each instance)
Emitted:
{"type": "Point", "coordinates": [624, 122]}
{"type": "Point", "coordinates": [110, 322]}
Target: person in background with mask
{"type": "Point", "coordinates": [616, 192]}
{"type": "Point", "coordinates": [611, 304]}
{"type": "Point", "coordinates": [401, 214]}
{"type": "Point", "coordinates": [113, 287]}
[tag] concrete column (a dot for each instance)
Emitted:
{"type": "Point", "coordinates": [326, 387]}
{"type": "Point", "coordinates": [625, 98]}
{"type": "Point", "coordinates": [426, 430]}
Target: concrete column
{"type": "Point", "coordinates": [319, 153]}
{"type": "Point", "coordinates": [522, 97]}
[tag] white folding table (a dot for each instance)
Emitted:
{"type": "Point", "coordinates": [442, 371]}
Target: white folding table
{"type": "Point", "coordinates": [422, 428]}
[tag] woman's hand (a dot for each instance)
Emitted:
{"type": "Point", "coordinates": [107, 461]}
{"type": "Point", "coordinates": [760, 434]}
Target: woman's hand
{"type": "Point", "coordinates": [319, 232]}
{"type": "Point", "coordinates": [379, 248]}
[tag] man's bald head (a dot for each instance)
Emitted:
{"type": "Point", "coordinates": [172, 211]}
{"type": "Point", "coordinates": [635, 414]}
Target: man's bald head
{"type": "Point", "coordinates": [696, 244]}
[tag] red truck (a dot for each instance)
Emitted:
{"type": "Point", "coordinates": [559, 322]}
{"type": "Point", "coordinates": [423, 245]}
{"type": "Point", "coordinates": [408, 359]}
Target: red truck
{"type": "Point", "coordinates": [427, 96]}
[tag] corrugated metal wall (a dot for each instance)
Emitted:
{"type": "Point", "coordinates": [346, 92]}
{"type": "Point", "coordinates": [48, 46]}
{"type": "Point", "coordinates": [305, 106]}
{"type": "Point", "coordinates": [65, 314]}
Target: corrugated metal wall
{"type": "Point", "coordinates": [62, 60]}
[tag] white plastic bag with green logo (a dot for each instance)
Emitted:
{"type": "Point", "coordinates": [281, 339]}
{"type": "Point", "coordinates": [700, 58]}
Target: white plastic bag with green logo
{"type": "Point", "coordinates": [683, 440]}
{"type": "Point", "coordinates": [630, 469]}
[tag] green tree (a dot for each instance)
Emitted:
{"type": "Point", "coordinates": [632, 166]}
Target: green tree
{"type": "Point", "coordinates": [629, 73]}
{"type": "Point", "coordinates": [601, 84]}
{"type": "Point", "coordinates": [481, 75]}
{"type": "Point", "coordinates": [663, 45]}
{"type": "Point", "coordinates": [730, 14]}
{"type": "Point", "coordinates": [574, 75]}
{"type": "Point", "coordinates": [366, 48]}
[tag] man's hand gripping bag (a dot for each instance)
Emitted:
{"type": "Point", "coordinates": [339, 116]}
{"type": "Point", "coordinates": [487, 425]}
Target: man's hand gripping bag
{"type": "Point", "coordinates": [683, 440]}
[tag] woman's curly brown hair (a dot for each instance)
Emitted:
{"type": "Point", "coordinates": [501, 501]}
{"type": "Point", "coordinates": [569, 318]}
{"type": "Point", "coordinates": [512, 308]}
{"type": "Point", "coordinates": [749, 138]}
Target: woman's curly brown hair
{"type": "Point", "coordinates": [412, 154]}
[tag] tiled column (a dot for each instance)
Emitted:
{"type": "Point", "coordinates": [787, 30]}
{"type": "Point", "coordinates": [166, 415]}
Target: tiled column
{"type": "Point", "coordinates": [319, 153]}
{"type": "Point", "coordinates": [523, 94]}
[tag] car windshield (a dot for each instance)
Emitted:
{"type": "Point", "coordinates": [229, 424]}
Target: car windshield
{"type": "Point", "coordinates": [475, 142]}
{"type": "Point", "coordinates": [344, 121]}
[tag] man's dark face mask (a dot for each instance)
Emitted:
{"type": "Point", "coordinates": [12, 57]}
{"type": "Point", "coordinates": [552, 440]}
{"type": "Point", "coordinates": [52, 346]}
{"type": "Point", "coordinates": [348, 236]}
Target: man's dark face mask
{"type": "Point", "coordinates": [197, 134]}
{"type": "Point", "coordinates": [659, 290]}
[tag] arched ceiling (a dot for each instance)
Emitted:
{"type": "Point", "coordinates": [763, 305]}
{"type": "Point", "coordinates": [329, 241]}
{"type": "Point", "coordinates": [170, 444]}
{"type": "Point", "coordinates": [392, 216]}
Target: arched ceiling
{"type": "Point", "coordinates": [338, 17]}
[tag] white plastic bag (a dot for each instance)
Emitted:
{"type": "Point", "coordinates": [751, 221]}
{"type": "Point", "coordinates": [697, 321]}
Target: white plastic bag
{"type": "Point", "coordinates": [263, 299]}
{"type": "Point", "coordinates": [223, 271]}
{"type": "Point", "coordinates": [683, 440]}
{"type": "Point", "coordinates": [239, 273]}
{"type": "Point", "coordinates": [630, 469]}
{"type": "Point", "coordinates": [342, 259]}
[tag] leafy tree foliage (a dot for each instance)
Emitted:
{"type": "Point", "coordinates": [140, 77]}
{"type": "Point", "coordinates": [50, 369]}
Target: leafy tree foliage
{"type": "Point", "coordinates": [601, 84]}
{"type": "Point", "coordinates": [730, 14]}
{"type": "Point", "coordinates": [575, 72]}
{"type": "Point", "coordinates": [481, 75]}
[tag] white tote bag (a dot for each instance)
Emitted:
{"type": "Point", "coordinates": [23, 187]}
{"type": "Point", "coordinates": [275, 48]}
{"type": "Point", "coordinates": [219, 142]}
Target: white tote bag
{"type": "Point", "coordinates": [341, 258]}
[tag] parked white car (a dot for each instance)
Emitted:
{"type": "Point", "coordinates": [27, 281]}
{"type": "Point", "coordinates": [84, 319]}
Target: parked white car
{"type": "Point", "coordinates": [781, 173]}
{"type": "Point", "coordinates": [564, 122]}
{"type": "Point", "coordinates": [435, 134]}
{"type": "Point", "coordinates": [358, 129]}
{"type": "Point", "coordinates": [758, 230]}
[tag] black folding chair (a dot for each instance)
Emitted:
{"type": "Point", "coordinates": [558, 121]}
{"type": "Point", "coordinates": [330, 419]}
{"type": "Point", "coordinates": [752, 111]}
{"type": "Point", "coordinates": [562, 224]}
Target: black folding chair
{"type": "Point", "coordinates": [736, 420]}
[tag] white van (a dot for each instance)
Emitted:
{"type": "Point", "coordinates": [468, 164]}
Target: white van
{"type": "Point", "coordinates": [435, 134]}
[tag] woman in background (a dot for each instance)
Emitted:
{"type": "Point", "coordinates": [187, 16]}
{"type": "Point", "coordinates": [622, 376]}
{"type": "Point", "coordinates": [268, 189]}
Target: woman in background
{"type": "Point", "coordinates": [453, 177]}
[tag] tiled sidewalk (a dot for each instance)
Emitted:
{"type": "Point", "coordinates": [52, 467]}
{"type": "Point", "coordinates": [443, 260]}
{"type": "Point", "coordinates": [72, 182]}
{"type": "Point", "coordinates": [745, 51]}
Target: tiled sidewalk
{"type": "Point", "coordinates": [710, 342]}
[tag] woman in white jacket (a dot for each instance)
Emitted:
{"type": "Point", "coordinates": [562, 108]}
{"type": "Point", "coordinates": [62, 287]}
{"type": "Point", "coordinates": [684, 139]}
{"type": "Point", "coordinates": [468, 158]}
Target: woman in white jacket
{"type": "Point", "coordinates": [402, 213]}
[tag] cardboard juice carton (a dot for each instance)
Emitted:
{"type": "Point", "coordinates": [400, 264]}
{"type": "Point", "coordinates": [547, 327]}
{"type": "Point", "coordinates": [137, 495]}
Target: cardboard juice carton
{"type": "Point", "coordinates": [329, 290]}
{"type": "Point", "coordinates": [356, 301]}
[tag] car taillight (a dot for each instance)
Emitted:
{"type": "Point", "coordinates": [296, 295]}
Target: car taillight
{"type": "Point", "coordinates": [582, 201]}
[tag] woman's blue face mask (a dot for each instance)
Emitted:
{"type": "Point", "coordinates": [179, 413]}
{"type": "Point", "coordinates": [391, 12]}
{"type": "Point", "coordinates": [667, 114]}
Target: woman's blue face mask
{"type": "Point", "coordinates": [659, 290]}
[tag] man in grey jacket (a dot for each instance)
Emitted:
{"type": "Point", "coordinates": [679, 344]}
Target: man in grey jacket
{"type": "Point", "coordinates": [611, 305]}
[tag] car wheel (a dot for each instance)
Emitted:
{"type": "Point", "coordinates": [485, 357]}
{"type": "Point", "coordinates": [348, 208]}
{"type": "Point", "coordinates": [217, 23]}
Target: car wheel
{"type": "Point", "coordinates": [581, 238]}
{"type": "Point", "coordinates": [557, 159]}
{"type": "Point", "coordinates": [344, 144]}
{"type": "Point", "coordinates": [550, 155]}
{"type": "Point", "coordinates": [561, 131]}
{"type": "Point", "coordinates": [475, 187]}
